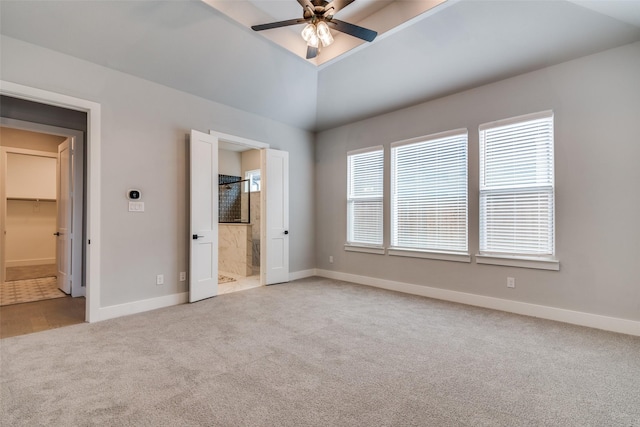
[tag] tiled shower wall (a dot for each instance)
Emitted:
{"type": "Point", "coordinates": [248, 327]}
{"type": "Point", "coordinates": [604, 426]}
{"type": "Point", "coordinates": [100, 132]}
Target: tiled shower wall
{"type": "Point", "coordinates": [229, 203]}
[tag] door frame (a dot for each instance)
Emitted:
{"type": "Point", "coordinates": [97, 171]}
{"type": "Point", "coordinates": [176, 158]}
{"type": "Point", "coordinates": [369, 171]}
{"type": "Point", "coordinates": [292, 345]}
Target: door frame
{"type": "Point", "coordinates": [251, 145]}
{"type": "Point", "coordinates": [93, 242]}
{"type": "Point", "coordinates": [77, 137]}
{"type": "Point", "coordinates": [4, 155]}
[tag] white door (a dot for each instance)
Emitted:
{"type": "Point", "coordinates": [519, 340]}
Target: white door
{"type": "Point", "coordinates": [203, 254]}
{"type": "Point", "coordinates": [64, 231]}
{"type": "Point", "coordinates": [275, 193]}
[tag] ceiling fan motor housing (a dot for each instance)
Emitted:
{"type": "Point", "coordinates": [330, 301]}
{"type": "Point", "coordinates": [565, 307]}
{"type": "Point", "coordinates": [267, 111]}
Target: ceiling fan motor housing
{"type": "Point", "coordinates": [319, 8]}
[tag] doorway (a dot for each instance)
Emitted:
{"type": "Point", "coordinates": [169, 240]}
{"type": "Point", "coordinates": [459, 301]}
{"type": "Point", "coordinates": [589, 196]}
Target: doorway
{"type": "Point", "coordinates": [239, 213]}
{"type": "Point", "coordinates": [204, 212]}
{"type": "Point", "coordinates": [41, 207]}
{"type": "Point", "coordinates": [41, 106]}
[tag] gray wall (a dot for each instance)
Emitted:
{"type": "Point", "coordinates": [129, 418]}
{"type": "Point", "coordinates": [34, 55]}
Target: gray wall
{"type": "Point", "coordinates": [596, 100]}
{"type": "Point", "coordinates": [144, 128]}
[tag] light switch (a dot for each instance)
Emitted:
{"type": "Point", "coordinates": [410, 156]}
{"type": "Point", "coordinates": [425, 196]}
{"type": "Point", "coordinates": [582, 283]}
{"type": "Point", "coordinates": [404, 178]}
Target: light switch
{"type": "Point", "coordinates": [136, 206]}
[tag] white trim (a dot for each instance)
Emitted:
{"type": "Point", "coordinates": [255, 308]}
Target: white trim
{"type": "Point", "coordinates": [511, 120]}
{"type": "Point", "coordinates": [365, 150]}
{"type": "Point", "coordinates": [29, 262]}
{"type": "Point", "coordinates": [93, 173]}
{"type": "Point", "coordinates": [238, 140]}
{"type": "Point", "coordinates": [297, 275]}
{"type": "Point", "coordinates": [442, 256]}
{"type": "Point", "coordinates": [524, 262]}
{"type": "Point", "coordinates": [379, 250]}
{"type": "Point", "coordinates": [613, 324]}
{"type": "Point", "coordinates": [119, 310]}
{"type": "Point", "coordinates": [430, 137]}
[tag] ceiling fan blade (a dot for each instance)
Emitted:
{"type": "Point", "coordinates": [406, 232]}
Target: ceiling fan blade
{"type": "Point", "coordinates": [305, 4]}
{"type": "Point", "coordinates": [353, 30]}
{"type": "Point", "coordinates": [312, 52]}
{"type": "Point", "coordinates": [278, 24]}
{"type": "Point", "coordinates": [333, 7]}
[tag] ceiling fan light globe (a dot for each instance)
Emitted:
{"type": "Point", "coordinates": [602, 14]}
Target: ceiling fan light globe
{"type": "Point", "coordinates": [309, 32]}
{"type": "Point", "coordinates": [314, 41]}
{"type": "Point", "coordinates": [324, 34]}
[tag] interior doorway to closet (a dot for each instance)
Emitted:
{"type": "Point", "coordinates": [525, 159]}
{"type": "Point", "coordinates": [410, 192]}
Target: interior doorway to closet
{"type": "Point", "coordinates": [42, 213]}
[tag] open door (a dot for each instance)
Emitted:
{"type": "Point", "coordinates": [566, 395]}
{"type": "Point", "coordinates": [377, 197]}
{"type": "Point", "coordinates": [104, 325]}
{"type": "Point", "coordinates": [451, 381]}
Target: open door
{"type": "Point", "coordinates": [203, 254]}
{"type": "Point", "coordinates": [64, 230]}
{"type": "Point", "coordinates": [275, 198]}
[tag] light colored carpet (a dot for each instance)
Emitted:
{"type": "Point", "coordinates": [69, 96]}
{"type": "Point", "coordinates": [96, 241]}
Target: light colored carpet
{"type": "Point", "coordinates": [29, 290]}
{"type": "Point", "coordinates": [318, 352]}
{"type": "Point", "coordinates": [30, 272]}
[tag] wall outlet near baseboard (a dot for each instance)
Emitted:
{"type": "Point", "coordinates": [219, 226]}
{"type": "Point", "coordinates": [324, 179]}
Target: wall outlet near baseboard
{"type": "Point", "coordinates": [183, 276]}
{"type": "Point", "coordinates": [331, 259]}
{"type": "Point", "coordinates": [511, 282]}
{"type": "Point", "coordinates": [160, 279]}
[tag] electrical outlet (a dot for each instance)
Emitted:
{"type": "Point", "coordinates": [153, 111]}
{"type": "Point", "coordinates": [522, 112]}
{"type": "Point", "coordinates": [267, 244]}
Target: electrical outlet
{"type": "Point", "coordinates": [331, 259]}
{"type": "Point", "coordinates": [183, 276]}
{"type": "Point", "coordinates": [160, 279]}
{"type": "Point", "coordinates": [511, 282]}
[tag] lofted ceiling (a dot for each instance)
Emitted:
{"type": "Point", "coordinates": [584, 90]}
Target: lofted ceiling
{"type": "Point", "coordinates": [204, 49]}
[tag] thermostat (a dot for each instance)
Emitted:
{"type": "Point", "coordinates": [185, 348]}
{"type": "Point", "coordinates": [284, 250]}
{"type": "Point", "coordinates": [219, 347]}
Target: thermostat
{"type": "Point", "coordinates": [133, 194]}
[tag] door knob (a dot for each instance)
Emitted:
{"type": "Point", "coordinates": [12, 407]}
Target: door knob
{"type": "Point", "coordinates": [57, 233]}
{"type": "Point", "coordinates": [286, 231]}
{"type": "Point", "coordinates": [196, 237]}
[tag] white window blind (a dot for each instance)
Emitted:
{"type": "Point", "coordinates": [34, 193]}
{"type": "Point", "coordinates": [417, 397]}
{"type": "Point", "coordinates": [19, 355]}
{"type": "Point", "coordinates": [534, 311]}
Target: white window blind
{"type": "Point", "coordinates": [429, 193]}
{"type": "Point", "coordinates": [517, 186]}
{"type": "Point", "coordinates": [364, 196]}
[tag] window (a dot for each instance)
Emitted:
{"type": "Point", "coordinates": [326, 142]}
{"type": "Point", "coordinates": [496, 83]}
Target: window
{"type": "Point", "coordinates": [253, 184]}
{"type": "Point", "coordinates": [429, 194]}
{"type": "Point", "coordinates": [517, 187]}
{"type": "Point", "coordinates": [364, 197]}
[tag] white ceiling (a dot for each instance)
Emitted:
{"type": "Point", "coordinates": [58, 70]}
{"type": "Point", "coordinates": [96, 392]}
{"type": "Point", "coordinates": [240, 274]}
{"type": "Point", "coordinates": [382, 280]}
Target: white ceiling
{"type": "Point", "coordinates": [193, 47]}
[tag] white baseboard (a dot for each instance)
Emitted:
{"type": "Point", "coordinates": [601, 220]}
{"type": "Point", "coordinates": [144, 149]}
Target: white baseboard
{"type": "Point", "coordinates": [134, 307]}
{"type": "Point", "coordinates": [29, 262]}
{"type": "Point", "coordinates": [295, 275]}
{"type": "Point", "coordinates": [113, 311]}
{"type": "Point", "coordinates": [613, 324]}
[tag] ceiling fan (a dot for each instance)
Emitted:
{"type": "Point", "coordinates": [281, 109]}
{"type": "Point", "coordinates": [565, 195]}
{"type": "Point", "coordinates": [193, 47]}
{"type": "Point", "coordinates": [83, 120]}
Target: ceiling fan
{"type": "Point", "coordinates": [318, 14]}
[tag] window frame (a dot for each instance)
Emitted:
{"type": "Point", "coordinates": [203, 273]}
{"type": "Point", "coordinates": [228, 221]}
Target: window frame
{"type": "Point", "coordinates": [433, 252]}
{"type": "Point", "coordinates": [547, 261]}
{"type": "Point", "coordinates": [248, 175]}
{"type": "Point", "coordinates": [350, 244]}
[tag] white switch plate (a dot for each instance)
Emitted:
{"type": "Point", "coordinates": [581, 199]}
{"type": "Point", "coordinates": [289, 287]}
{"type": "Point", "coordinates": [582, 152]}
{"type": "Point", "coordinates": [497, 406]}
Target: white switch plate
{"type": "Point", "coordinates": [160, 279]}
{"type": "Point", "coordinates": [136, 206]}
{"type": "Point", "coordinates": [183, 276]}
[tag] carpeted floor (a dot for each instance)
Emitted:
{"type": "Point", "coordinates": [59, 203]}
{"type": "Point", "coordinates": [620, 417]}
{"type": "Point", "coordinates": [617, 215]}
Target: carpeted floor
{"type": "Point", "coordinates": [319, 352]}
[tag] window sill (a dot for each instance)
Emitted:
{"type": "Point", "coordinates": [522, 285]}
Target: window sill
{"type": "Point", "coordinates": [442, 256]}
{"type": "Point", "coordinates": [524, 262]}
{"type": "Point", "coordinates": [366, 249]}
